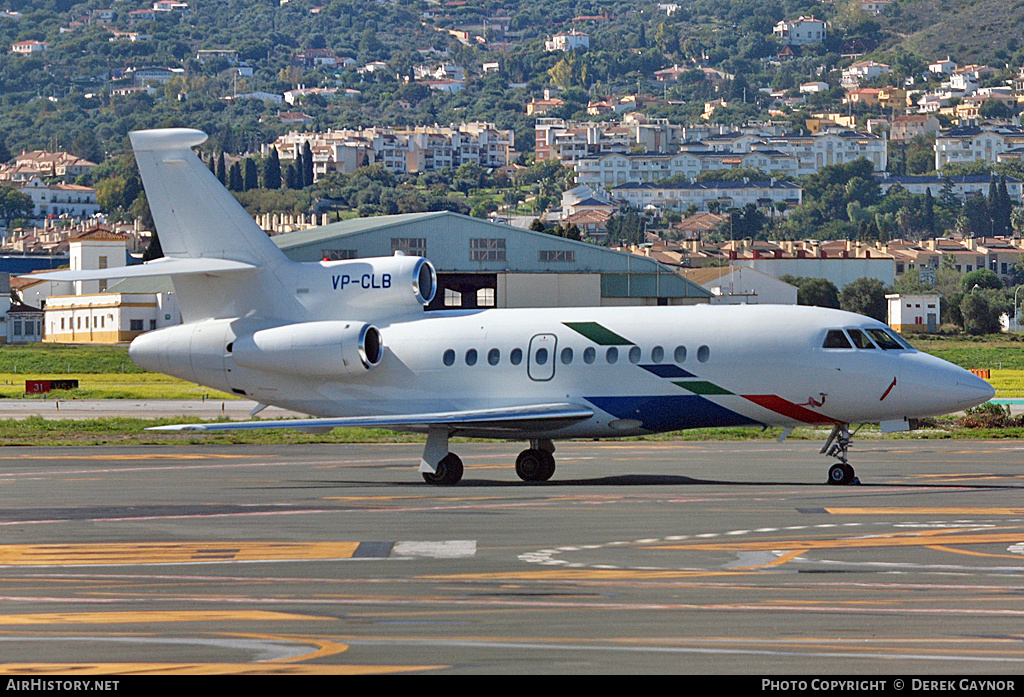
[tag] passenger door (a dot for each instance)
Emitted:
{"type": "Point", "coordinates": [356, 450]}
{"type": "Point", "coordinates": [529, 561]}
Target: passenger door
{"type": "Point", "coordinates": [540, 363]}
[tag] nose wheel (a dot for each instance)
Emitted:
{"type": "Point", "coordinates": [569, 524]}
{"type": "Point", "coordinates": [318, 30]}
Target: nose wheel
{"type": "Point", "coordinates": [838, 446]}
{"type": "Point", "coordinates": [841, 473]}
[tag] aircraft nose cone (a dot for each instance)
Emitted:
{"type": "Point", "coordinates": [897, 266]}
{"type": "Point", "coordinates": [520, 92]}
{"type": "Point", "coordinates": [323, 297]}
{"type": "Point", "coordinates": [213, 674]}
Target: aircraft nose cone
{"type": "Point", "coordinates": [934, 387]}
{"type": "Point", "coordinates": [972, 390]}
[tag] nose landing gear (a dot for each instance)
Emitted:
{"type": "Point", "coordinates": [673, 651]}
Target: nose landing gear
{"type": "Point", "coordinates": [838, 446]}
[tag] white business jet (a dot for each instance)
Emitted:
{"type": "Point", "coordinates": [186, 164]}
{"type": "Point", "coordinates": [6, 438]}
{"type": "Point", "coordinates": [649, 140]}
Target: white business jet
{"type": "Point", "coordinates": [349, 342]}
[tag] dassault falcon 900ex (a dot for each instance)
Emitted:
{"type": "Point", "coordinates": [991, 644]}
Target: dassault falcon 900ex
{"type": "Point", "coordinates": [349, 343]}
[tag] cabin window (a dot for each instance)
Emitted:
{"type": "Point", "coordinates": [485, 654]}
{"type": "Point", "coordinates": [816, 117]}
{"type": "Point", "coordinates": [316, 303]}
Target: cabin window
{"type": "Point", "coordinates": [634, 354]}
{"type": "Point", "coordinates": [860, 339]}
{"type": "Point", "coordinates": [471, 357]}
{"type": "Point", "coordinates": [589, 355]}
{"type": "Point", "coordinates": [449, 357]}
{"type": "Point", "coordinates": [516, 356]}
{"type": "Point", "coordinates": [884, 340]}
{"type": "Point", "coordinates": [835, 339]}
{"type": "Point", "coordinates": [703, 354]}
{"type": "Point", "coordinates": [494, 356]}
{"type": "Point", "coordinates": [541, 356]}
{"type": "Point", "coordinates": [657, 354]}
{"type": "Point", "coordinates": [612, 355]}
{"type": "Point", "coordinates": [680, 354]}
{"type": "Point", "coordinates": [567, 356]}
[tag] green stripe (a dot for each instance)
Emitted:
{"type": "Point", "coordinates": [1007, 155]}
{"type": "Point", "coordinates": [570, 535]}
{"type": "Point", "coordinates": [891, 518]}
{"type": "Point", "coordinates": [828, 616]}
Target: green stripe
{"type": "Point", "coordinates": [702, 387]}
{"type": "Point", "coordinates": [598, 334]}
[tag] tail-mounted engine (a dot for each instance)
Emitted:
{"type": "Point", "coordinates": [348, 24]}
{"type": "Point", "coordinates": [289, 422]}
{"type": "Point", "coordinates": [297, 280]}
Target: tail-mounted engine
{"type": "Point", "coordinates": [380, 283]}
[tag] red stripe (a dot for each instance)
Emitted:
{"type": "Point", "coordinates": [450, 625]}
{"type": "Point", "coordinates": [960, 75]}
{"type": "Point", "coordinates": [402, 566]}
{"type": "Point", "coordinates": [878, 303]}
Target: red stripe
{"type": "Point", "coordinates": [787, 408]}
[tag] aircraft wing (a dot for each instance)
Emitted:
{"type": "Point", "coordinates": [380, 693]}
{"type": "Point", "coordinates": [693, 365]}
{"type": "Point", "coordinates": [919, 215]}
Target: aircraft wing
{"type": "Point", "coordinates": [502, 420]}
{"type": "Point", "coordinates": [166, 266]}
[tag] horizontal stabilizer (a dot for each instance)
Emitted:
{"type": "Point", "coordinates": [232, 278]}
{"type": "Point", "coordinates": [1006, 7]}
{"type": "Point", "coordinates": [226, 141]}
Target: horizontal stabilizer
{"type": "Point", "coordinates": [504, 419]}
{"type": "Point", "coordinates": [166, 266]}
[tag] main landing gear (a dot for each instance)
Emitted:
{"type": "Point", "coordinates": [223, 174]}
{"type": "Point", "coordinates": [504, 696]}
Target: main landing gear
{"type": "Point", "coordinates": [837, 446]}
{"type": "Point", "coordinates": [442, 468]}
{"type": "Point", "coordinates": [536, 464]}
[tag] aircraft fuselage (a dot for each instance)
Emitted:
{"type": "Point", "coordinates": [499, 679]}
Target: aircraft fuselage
{"type": "Point", "coordinates": [642, 369]}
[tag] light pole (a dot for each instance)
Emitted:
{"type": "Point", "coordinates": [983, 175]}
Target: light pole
{"type": "Point", "coordinates": [1016, 312]}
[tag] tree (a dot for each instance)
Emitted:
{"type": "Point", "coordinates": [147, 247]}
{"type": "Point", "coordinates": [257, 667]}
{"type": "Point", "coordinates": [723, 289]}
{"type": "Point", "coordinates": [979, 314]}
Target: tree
{"type": "Point", "coordinates": [865, 296]}
{"type": "Point", "coordinates": [220, 171]}
{"type": "Point", "coordinates": [250, 175]}
{"type": "Point", "coordinates": [982, 278]}
{"type": "Point", "coordinates": [272, 171]}
{"type": "Point", "coordinates": [14, 205]}
{"type": "Point", "coordinates": [235, 181]}
{"type": "Point", "coordinates": [307, 165]}
{"type": "Point", "coordinates": [813, 291]}
{"type": "Point", "coordinates": [980, 313]}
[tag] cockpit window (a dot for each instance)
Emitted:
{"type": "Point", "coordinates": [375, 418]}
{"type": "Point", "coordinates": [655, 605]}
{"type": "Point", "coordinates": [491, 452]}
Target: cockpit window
{"type": "Point", "coordinates": [900, 340]}
{"type": "Point", "coordinates": [884, 340]}
{"type": "Point", "coordinates": [860, 339]}
{"type": "Point", "coordinates": [835, 339]}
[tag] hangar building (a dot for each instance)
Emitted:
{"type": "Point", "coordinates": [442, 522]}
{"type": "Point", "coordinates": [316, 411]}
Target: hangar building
{"type": "Point", "coordinates": [483, 264]}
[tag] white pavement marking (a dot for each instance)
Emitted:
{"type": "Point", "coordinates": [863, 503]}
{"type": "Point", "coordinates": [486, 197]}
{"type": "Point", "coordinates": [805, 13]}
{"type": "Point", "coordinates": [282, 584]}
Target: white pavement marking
{"type": "Point", "coordinates": [445, 549]}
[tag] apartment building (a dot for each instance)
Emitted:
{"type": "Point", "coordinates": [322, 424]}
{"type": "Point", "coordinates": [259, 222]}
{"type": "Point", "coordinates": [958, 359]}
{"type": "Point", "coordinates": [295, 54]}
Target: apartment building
{"type": "Point", "coordinates": [724, 194]}
{"type": "Point", "coordinates": [973, 143]}
{"type": "Point", "coordinates": [793, 155]}
{"type": "Point", "coordinates": [420, 149]}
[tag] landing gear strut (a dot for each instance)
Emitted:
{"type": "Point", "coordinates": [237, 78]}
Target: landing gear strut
{"type": "Point", "coordinates": [438, 466]}
{"type": "Point", "coordinates": [837, 446]}
{"type": "Point", "coordinates": [536, 464]}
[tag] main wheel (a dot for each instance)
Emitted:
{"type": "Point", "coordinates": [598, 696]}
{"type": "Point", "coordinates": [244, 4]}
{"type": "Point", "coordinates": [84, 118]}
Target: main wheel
{"type": "Point", "coordinates": [549, 466]}
{"type": "Point", "coordinates": [840, 473]}
{"type": "Point", "coordinates": [535, 465]}
{"type": "Point", "coordinates": [449, 471]}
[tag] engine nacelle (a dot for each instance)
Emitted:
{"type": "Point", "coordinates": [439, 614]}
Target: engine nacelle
{"type": "Point", "coordinates": [331, 348]}
{"type": "Point", "coordinates": [382, 282]}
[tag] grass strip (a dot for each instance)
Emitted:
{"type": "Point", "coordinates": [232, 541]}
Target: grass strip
{"type": "Point", "coordinates": [36, 430]}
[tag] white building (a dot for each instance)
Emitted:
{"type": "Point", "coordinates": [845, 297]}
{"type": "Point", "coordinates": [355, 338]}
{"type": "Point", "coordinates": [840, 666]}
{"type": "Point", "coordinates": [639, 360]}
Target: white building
{"type": "Point", "coordinates": [914, 313]}
{"type": "Point", "coordinates": [973, 143]}
{"type": "Point", "coordinates": [27, 48]}
{"type": "Point", "coordinates": [841, 271]}
{"type": "Point", "coordinates": [863, 70]}
{"type": "Point", "coordinates": [726, 194]}
{"type": "Point", "coordinates": [420, 149]}
{"type": "Point", "coordinates": [942, 67]}
{"type": "Point", "coordinates": [800, 32]}
{"type": "Point", "coordinates": [741, 285]}
{"type": "Point", "coordinates": [814, 87]}
{"type": "Point", "coordinates": [569, 41]}
{"type": "Point", "coordinates": [108, 318]}
{"type": "Point", "coordinates": [69, 200]}
{"type": "Point", "coordinates": [94, 250]}
{"type": "Point", "coordinates": [961, 185]}
{"type": "Point", "coordinates": [794, 155]}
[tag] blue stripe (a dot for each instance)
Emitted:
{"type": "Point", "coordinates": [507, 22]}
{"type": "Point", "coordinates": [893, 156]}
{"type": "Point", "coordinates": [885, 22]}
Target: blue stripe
{"type": "Point", "coordinates": [671, 412]}
{"type": "Point", "coordinates": [667, 370]}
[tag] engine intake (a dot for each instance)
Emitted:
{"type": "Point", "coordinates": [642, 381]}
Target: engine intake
{"type": "Point", "coordinates": [326, 349]}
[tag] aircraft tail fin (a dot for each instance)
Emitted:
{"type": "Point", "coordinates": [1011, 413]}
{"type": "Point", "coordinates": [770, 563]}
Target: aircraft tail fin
{"type": "Point", "coordinates": [197, 218]}
{"type": "Point", "coordinates": [195, 215]}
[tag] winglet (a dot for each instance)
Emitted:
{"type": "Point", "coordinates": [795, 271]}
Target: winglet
{"type": "Point", "coordinates": [166, 139]}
